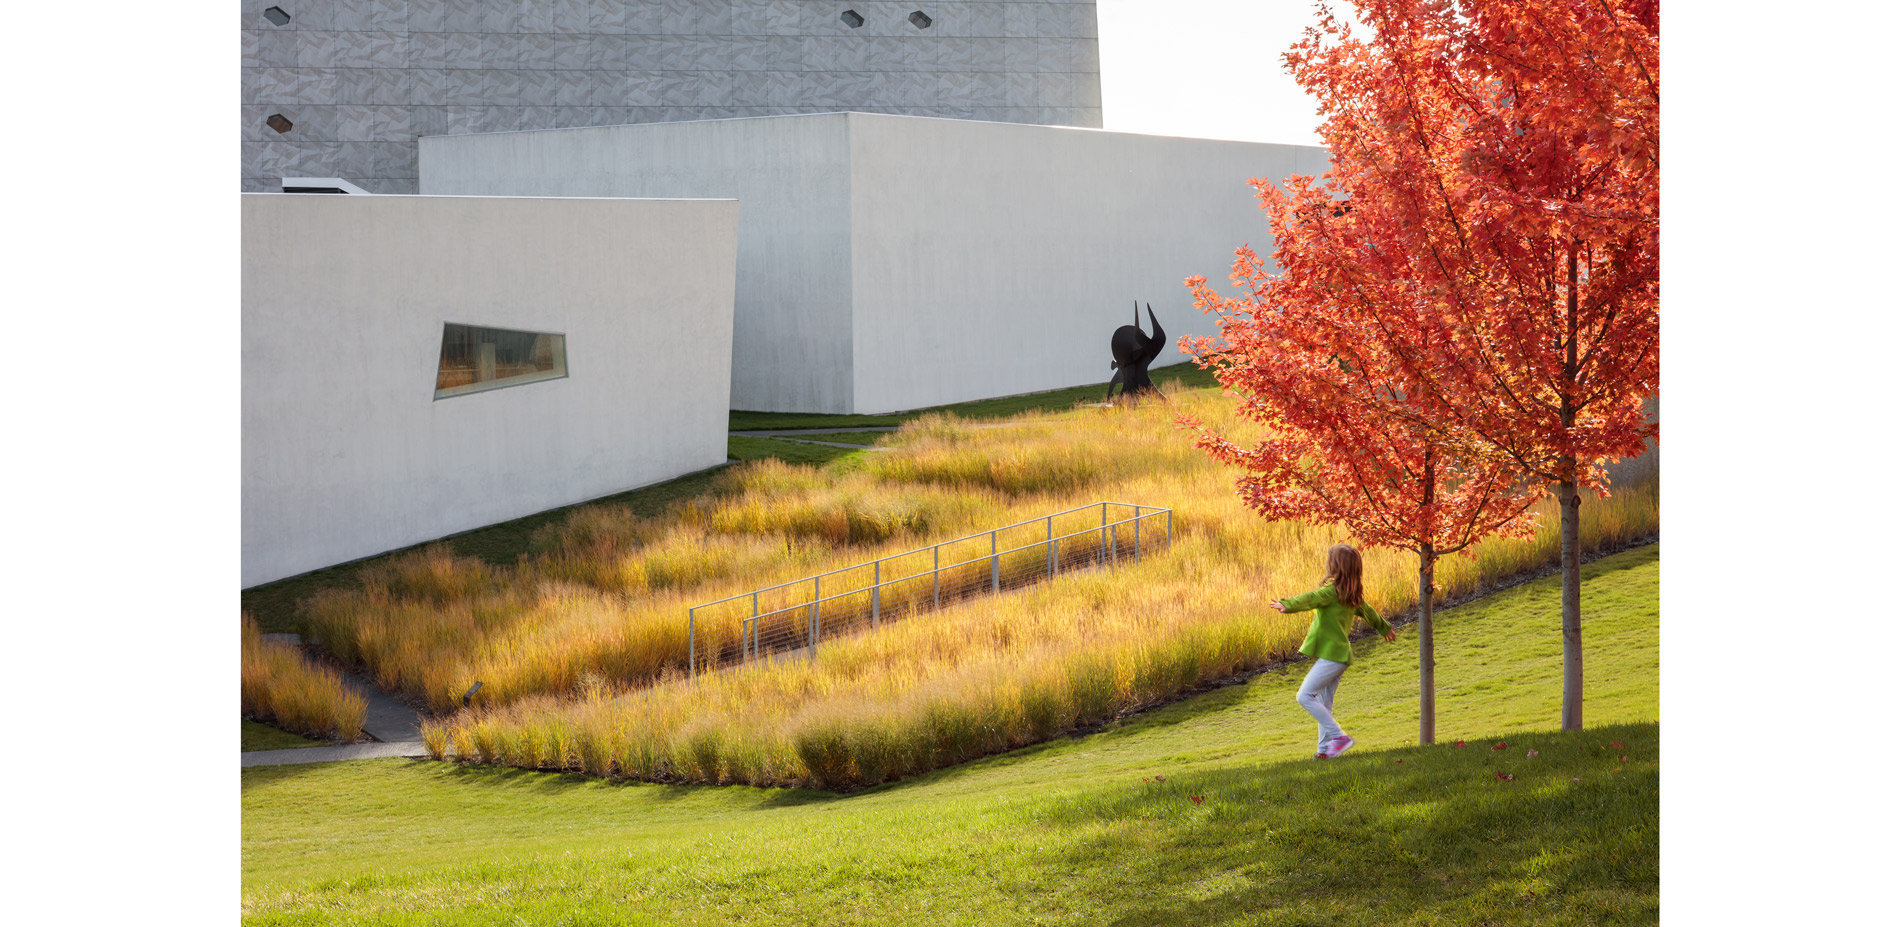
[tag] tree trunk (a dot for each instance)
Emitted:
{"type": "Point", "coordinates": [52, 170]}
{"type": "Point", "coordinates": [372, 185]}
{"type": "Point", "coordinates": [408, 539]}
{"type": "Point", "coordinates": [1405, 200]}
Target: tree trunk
{"type": "Point", "coordinates": [1427, 658]}
{"type": "Point", "coordinates": [1570, 502]}
{"type": "Point", "coordinates": [1573, 610]}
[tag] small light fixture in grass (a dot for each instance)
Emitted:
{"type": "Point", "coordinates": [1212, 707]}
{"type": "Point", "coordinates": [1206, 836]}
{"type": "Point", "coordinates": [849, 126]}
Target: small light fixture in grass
{"type": "Point", "coordinates": [920, 19]}
{"type": "Point", "coordinates": [278, 122]}
{"type": "Point", "coordinates": [851, 18]}
{"type": "Point", "coordinates": [277, 16]}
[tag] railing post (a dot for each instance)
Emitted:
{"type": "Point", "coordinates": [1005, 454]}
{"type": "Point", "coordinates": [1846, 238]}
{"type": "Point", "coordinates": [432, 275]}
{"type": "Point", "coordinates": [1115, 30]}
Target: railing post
{"type": "Point", "coordinates": [692, 654]}
{"type": "Point", "coordinates": [996, 582]}
{"type": "Point", "coordinates": [1050, 522]}
{"type": "Point", "coordinates": [754, 644]}
{"type": "Point", "coordinates": [1137, 534]}
{"type": "Point", "coordinates": [1103, 559]}
{"type": "Point", "coordinates": [877, 587]}
{"type": "Point", "coordinates": [1170, 529]}
{"type": "Point", "coordinates": [811, 636]}
{"type": "Point", "coordinates": [936, 577]}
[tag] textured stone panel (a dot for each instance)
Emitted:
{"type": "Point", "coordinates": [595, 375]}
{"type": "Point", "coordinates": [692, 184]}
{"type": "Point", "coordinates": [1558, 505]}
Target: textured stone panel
{"type": "Point", "coordinates": [644, 88]}
{"type": "Point", "coordinates": [389, 15]}
{"type": "Point", "coordinates": [428, 49]}
{"type": "Point", "coordinates": [1019, 20]}
{"type": "Point", "coordinates": [384, 71]}
{"type": "Point", "coordinates": [462, 50]}
{"type": "Point", "coordinates": [501, 50]}
{"type": "Point", "coordinates": [986, 20]}
{"type": "Point", "coordinates": [355, 122]}
{"type": "Point", "coordinates": [391, 124]}
{"type": "Point", "coordinates": [428, 17]}
{"type": "Point", "coordinates": [500, 17]}
{"type": "Point", "coordinates": [462, 15]}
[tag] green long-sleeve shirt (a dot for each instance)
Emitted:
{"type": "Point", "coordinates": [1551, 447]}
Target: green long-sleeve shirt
{"type": "Point", "coordinates": [1327, 638]}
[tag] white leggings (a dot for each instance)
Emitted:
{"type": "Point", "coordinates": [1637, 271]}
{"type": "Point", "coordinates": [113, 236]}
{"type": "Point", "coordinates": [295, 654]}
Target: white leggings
{"type": "Point", "coordinates": [1316, 696]}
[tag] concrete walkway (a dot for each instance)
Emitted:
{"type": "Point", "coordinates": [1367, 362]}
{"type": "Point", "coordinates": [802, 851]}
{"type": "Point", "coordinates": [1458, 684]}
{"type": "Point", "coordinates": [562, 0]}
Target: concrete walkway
{"type": "Point", "coordinates": [396, 727]}
{"type": "Point", "coordinates": [332, 754]}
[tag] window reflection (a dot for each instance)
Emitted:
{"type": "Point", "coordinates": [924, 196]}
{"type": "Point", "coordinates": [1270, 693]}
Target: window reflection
{"type": "Point", "coordinates": [476, 358]}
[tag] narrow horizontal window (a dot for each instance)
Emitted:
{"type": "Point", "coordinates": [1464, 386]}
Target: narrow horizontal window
{"type": "Point", "coordinates": [851, 18]}
{"type": "Point", "coordinates": [920, 19]}
{"type": "Point", "coordinates": [278, 122]}
{"type": "Point", "coordinates": [476, 358]}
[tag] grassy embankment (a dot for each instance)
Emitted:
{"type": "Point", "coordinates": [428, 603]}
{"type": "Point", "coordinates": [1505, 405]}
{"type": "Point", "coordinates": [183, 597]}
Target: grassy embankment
{"type": "Point", "coordinates": [1074, 831]}
{"type": "Point", "coordinates": [280, 686]}
{"type": "Point", "coordinates": [596, 607]}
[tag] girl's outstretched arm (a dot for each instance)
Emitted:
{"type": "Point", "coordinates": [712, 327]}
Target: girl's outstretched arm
{"type": "Point", "coordinates": [1378, 624]}
{"type": "Point", "coordinates": [1318, 598]}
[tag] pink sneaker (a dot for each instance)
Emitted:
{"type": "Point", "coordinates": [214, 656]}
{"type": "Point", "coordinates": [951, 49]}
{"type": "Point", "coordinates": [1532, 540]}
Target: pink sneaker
{"type": "Point", "coordinates": [1338, 745]}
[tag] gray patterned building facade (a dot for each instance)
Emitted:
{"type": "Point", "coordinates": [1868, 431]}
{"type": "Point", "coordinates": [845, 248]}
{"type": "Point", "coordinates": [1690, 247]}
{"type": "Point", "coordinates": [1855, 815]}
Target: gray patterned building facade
{"type": "Point", "coordinates": [342, 88]}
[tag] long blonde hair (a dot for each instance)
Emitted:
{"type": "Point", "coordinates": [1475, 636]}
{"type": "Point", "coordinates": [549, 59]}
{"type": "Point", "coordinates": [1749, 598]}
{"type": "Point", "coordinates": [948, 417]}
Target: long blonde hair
{"type": "Point", "coordinates": [1342, 571]}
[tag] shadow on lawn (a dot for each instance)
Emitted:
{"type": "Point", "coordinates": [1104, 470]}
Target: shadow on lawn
{"type": "Point", "coordinates": [1437, 838]}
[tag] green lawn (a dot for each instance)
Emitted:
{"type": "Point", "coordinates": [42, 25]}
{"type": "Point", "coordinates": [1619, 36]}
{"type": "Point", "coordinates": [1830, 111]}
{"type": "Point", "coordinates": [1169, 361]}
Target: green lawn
{"type": "Point", "coordinates": [1072, 831]}
{"type": "Point", "coordinates": [264, 737]}
{"type": "Point", "coordinates": [1184, 374]}
{"type": "Point", "coordinates": [741, 447]}
{"type": "Point", "coordinates": [866, 438]}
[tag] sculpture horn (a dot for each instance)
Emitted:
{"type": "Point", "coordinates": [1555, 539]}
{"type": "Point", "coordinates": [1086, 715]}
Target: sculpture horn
{"type": "Point", "coordinates": [1154, 346]}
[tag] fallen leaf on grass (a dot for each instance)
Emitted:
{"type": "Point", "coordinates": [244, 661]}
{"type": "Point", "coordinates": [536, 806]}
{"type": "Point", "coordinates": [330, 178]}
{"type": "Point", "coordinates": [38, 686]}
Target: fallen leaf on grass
{"type": "Point", "coordinates": [1505, 777]}
{"type": "Point", "coordinates": [1575, 779]}
{"type": "Point", "coordinates": [1197, 799]}
{"type": "Point", "coordinates": [1459, 744]}
{"type": "Point", "coordinates": [1617, 744]}
{"type": "Point", "coordinates": [1622, 759]}
{"type": "Point", "coordinates": [1501, 745]}
{"type": "Point", "coordinates": [1531, 754]}
{"type": "Point", "coordinates": [1401, 762]}
{"type": "Point", "coordinates": [1617, 770]}
{"type": "Point", "coordinates": [1161, 778]}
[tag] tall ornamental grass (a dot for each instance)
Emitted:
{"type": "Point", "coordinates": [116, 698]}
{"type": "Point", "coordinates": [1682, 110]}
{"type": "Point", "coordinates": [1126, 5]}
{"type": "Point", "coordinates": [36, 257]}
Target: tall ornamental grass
{"type": "Point", "coordinates": [282, 687]}
{"type": "Point", "coordinates": [994, 672]}
{"type": "Point", "coordinates": [566, 640]}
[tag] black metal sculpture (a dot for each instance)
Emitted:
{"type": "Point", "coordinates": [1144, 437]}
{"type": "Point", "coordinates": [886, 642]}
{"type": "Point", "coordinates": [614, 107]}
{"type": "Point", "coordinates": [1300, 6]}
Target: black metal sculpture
{"type": "Point", "coordinates": [1133, 352]}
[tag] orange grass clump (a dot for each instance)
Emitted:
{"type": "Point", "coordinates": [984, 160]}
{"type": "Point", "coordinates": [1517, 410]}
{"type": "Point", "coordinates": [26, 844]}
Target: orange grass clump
{"type": "Point", "coordinates": [279, 685]}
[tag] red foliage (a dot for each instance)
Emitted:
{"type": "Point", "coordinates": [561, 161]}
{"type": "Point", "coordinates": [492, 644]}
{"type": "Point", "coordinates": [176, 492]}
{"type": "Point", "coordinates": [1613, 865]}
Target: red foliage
{"type": "Point", "coordinates": [1464, 308]}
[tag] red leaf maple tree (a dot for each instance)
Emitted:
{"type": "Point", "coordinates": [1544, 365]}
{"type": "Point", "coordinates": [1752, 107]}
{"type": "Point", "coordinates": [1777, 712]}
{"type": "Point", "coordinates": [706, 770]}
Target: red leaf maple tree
{"type": "Point", "coordinates": [1483, 249]}
{"type": "Point", "coordinates": [1342, 448]}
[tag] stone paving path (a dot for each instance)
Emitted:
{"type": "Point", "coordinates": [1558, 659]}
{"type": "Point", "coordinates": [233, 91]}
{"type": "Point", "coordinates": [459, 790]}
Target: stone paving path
{"type": "Point", "coordinates": [396, 727]}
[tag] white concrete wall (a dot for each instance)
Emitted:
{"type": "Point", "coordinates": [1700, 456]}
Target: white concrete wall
{"type": "Point", "coordinates": [346, 451]}
{"type": "Point", "coordinates": [895, 262]}
{"type": "Point", "coordinates": [992, 259]}
{"type": "Point", "coordinates": [792, 337]}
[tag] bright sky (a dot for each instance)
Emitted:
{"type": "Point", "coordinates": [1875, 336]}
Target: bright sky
{"type": "Point", "coordinates": [1206, 68]}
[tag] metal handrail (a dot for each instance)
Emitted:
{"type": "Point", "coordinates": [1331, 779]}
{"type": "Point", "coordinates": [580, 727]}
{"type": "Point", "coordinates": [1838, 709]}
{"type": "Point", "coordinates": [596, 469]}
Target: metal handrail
{"type": "Point", "coordinates": [967, 537]}
{"type": "Point", "coordinates": [815, 604]}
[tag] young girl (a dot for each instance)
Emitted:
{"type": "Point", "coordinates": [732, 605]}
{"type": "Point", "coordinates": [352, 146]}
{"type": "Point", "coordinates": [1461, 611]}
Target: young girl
{"type": "Point", "coordinates": [1339, 599]}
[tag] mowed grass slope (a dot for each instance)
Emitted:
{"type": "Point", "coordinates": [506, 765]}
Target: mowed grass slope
{"type": "Point", "coordinates": [1075, 831]}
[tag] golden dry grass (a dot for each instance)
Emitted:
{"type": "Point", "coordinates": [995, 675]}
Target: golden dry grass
{"type": "Point", "coordinates": [582, 642]}
{"type": "Point", "coordinates": [280, 686]}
